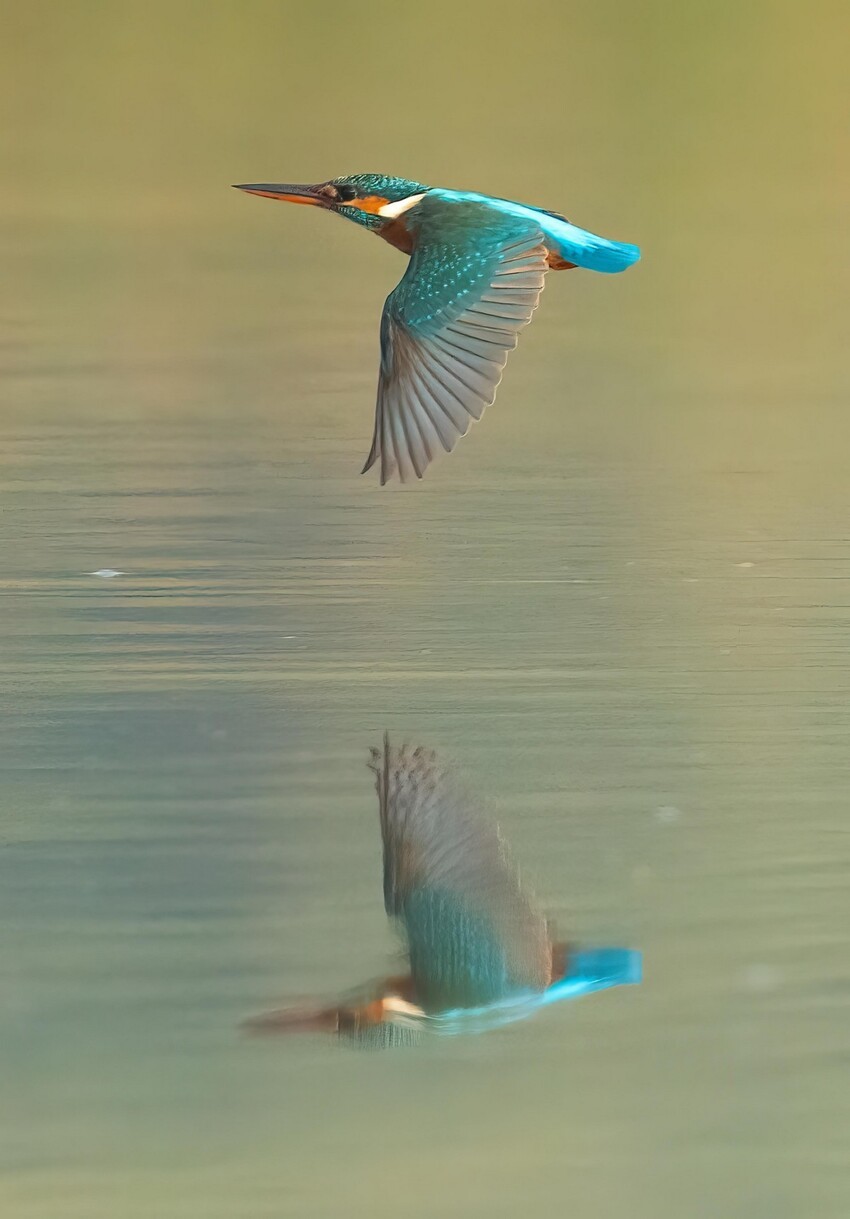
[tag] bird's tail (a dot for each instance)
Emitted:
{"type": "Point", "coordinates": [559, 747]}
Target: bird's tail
{"type": "Point", "coordinates": [590, 969]}
{"type": "Point", "coordinates": [590, 251]}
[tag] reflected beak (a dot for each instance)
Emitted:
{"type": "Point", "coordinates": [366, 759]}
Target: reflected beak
{"type": "Point", "coordinates": [307, 1019]}
{"type": "Point", "coordinates": [289, 192]}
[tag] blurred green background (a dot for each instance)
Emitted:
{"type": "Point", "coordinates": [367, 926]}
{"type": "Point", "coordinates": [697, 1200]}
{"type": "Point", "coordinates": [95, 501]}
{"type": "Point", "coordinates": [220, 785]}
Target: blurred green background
{"type": "Point", "coordinates": [621, 605]}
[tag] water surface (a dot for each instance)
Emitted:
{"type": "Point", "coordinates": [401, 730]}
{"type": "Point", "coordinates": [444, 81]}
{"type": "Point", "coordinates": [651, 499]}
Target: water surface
{"type": "Point", "coordinates": [621, 606]}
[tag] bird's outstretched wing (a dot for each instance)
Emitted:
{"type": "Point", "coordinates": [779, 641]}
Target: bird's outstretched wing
{"type": "Point", "coordinates": [473, 281]}
{"type": "Point", "coordinates": [473, 937]}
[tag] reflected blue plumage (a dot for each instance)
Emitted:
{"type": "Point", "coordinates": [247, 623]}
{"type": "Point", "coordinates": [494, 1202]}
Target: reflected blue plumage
{"type": "Point", "coordinates": [481, 955]}
{"type": "Point", "coordinates": [590, 969]}
{"type": "Point", "coordinates": [455, 954]}
{"type": "Point", "coordinates": [473, 936]}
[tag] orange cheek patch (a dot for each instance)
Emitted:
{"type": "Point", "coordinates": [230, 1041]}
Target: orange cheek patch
{"type": "Point", "coordinates": [371, 204]}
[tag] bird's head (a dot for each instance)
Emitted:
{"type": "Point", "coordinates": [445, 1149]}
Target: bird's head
{"type": "Point", "coordinates": [368, 199]}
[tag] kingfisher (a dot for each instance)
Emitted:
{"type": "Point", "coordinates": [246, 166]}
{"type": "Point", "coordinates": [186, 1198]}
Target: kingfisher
{"type": "Point", "coordinates": [480, 954]}
{"type": "Point", "coordinates": [474, 279]}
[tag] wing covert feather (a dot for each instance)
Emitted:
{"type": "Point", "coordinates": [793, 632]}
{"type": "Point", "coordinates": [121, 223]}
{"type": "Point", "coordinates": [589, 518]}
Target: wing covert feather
{"type": "Point", "coordinates": [473, 281]}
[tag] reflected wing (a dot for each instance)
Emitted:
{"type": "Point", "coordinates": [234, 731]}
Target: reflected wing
{"type": "Point", "coordinates": [473, 281]}
{"type": "Point", "coordinates": [473, 936]}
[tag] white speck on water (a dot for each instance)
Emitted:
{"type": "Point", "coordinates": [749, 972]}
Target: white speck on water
{"type": "Point", "coordinates": [668, 814]}
{"type": "Point", "coordinates": [761, 979]}
{"type": "Point", "coordinates": [106, 573]}
{"type": "Point", "coordinates": [745, 564]}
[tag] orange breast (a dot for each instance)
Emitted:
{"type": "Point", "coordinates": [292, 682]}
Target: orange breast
{"type": "Point", "coordinates": [395, 232]}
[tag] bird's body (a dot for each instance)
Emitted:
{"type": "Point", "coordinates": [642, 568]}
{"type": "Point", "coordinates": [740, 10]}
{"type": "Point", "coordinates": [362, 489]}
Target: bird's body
{"type": "Point", "coordinates": [478, 949]}
{"type": "Point", "coordinates": [477, 266]}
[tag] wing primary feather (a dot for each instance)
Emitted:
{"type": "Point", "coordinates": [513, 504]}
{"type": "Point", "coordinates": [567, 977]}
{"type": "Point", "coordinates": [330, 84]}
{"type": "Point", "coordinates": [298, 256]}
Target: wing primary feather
{"type": "Point", "coordinates": [462, 355]}
{"type": "Point", "coordinates": [478, 340]}
{"type": "Point", "coordinates": [454, 368]}
{"type": "Point", "coordinates": [423, 400]}
{"type": "Point", "coordinates": [410, 446]}
{"type": "Point", "coordinates": [451, 371]}
{"type": "Point", "coordinates": [385, 782]}
{"type": "Point", "coordinates": [398, 448]}
{"type": "Point", "coordinates": [428, 375]}
{"type": "Point", "coordinates": [470, 319]}
{"type": "Point", "coordinates": [498, 340]}
{"type": "Point", "coordinates": [457, 425]}
{"type": "Point", "coordinates": [506, 312]}
{"type": "Point", "coordinates": [425, 426]}
{"type": "Point", "coordinates": [387, 462]}
{"type": "Point", "coordinates": [490, 374]}
{"type": "Point", "coordinates": [375, 448]}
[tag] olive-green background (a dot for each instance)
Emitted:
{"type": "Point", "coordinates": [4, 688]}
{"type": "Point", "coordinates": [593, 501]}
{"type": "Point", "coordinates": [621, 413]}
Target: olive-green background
{"type": "Point", "coordinates": [621, 605]}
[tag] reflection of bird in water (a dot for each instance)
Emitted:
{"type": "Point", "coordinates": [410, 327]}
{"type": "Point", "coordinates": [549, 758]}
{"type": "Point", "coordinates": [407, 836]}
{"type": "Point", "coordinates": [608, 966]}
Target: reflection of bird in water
{"type": "Point", "coordinates": [476, 945]}
{"type": "Point", "coordinates": [474, 279]}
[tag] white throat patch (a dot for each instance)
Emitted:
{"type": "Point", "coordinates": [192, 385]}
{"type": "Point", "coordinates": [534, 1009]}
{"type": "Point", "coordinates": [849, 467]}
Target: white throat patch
{"type": "Point", "coordinates": [394, 1005]}
{"type": "Point", "coordinates": [391, 210]}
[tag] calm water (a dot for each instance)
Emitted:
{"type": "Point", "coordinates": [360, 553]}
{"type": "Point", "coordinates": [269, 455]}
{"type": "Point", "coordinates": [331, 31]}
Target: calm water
{"type": "Point", "coordinates": [622, 606]}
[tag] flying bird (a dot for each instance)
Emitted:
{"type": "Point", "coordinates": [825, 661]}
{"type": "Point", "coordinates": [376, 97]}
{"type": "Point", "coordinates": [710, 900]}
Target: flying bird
{"type": "Point", "coordinates": [473, 281]}
{"type": "Point", "coordinates": [480, 954]}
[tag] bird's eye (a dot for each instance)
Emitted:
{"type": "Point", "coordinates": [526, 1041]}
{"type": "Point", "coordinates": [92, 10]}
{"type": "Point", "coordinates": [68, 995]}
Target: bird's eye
{"type": "Point", "coordinates": [346, 192]}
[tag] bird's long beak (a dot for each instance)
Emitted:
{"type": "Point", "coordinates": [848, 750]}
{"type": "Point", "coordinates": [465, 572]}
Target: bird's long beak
{"type": "Point", "coordinates": [289, 192]}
